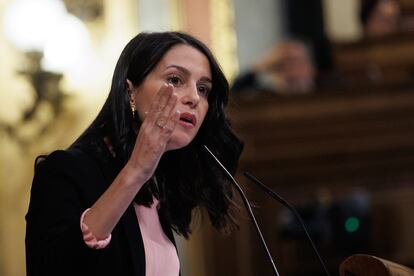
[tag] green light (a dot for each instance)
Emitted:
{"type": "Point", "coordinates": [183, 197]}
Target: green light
{"type": "Point", "coordinates": [351, 224]}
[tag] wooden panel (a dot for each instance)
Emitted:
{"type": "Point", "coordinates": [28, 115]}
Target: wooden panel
{"type": "Point", "coordinates": [385, 60]}
{"type": "Point", "coordinates": [407, 7]}
{"type": "Point", "coordinates": [322, 138]}
{"type": "Point", "coordinates": [332, 142]}
{"type": "Point", "coordinates": [387, 51]}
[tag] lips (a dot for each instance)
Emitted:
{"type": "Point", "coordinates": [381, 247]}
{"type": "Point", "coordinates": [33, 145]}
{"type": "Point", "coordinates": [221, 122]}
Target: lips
{"type": "Point", "coordinates": [188, 119]}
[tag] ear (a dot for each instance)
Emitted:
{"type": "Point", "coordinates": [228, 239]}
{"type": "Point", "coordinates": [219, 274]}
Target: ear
{"type": "Point", "coordinates": [130, 88]}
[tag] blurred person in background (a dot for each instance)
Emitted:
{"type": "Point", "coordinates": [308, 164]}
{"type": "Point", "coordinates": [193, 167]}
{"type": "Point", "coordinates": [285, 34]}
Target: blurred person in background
{"type": "Point", "coordinates": [286, 69]}
{"type": "Point", "coordinates": [380, 17]}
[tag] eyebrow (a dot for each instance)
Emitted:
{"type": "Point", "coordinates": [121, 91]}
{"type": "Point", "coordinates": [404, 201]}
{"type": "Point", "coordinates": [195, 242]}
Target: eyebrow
{"type": "Point", "coordinates": [187, 72]}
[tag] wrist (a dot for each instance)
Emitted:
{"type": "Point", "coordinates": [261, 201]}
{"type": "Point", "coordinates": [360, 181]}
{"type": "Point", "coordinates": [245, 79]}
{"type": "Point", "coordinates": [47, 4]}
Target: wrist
{"type": "Point", "coordinates": [135, 173]}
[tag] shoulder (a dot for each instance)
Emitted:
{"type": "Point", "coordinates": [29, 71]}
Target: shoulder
{"type": "Point", "coordinates": [64, 160]}
{"type": "Point", "coordinates": [68, 174]}
{"type": "Point", "coordinates": [66, 167]}
{"type": "Point", "coordinates": [63, 156]}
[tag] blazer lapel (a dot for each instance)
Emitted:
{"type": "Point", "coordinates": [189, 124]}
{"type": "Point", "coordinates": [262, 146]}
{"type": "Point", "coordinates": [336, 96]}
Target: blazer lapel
{"type": "Point", "coordinates": [136, 245]}
{"type": "Point", "coordinates": [110, 168]}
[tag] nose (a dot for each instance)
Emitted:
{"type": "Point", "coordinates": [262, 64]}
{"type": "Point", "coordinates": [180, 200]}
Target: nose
{"type": "Point", "coordinates": [190, 96]}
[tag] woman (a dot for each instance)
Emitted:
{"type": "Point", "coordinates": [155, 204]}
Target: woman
{"type": "Point", "coordinates": [108, 204]}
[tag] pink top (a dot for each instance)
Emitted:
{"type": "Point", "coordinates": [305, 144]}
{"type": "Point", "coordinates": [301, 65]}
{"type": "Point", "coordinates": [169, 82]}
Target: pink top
{"type": "Point", "coordinates": [160, 254]}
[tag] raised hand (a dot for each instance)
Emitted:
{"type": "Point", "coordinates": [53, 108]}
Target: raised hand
{"type": "Point", "coordinates": [155, 132]}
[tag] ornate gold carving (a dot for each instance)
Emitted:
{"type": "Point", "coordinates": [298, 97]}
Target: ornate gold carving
{"type": "Point", "coordinates": [223, 35]}
{"type": "Point", "coordinates": [85, 10]}
{"type": "Point", "coordinates": [177, 14]}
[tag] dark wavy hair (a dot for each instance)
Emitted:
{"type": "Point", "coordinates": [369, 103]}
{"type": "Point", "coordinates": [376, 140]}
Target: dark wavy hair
{"type": "Point", "coordinates": [185, 178]}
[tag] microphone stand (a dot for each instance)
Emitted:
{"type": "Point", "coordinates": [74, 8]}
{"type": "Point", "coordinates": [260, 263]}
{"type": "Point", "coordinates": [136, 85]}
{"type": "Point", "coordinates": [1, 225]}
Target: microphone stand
{"type": "Point", "coordinates": [249, 209]}
{"type": "Point", "coordinates": [292, 209]}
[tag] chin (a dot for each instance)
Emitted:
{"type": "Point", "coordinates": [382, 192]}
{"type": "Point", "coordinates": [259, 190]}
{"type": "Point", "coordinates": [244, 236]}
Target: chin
{"type": "Point", "coordinates": [179, 141]}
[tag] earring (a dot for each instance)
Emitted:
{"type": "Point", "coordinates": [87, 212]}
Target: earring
{"type": "Point", "coordinates": [133, 111]}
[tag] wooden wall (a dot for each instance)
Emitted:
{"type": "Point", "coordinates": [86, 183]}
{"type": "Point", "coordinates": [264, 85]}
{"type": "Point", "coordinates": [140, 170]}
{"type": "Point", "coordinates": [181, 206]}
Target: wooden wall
{"type": "Point", "coordinates": [326, 147]}
{"type": "Point", "coordinates": [328, 139]}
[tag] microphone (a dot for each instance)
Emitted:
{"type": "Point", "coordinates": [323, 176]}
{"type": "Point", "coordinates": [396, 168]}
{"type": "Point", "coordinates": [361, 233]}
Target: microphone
{"type": "Point", "coordinates": [248, 207]}
{"type": "Point", "coordinates": [292, 209]}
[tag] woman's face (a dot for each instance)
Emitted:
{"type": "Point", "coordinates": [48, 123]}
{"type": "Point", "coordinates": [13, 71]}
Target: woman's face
{"type": "Point", "coordinates": [188, 71]}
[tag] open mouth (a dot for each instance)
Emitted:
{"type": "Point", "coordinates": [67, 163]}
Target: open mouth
{"type": "Point", "coordinates": [188, 118]}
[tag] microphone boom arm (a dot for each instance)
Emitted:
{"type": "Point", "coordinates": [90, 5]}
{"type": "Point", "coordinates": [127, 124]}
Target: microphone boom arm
{"type": "Point", "coordinates": [249, 209]}
{"type": "Point", "coordinates": [292, 209]}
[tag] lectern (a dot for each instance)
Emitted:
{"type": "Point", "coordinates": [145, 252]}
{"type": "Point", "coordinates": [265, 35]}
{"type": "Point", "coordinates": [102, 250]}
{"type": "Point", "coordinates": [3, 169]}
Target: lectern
{"type": "Point", "coordinates": [367, 265]}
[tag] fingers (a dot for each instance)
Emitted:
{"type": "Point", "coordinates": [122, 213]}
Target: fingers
{"type": "Point", "coordinates": [168, 112]}
{"type": "Point", "coordinates": [156, 130]}
{"type": "Point", "coordinates": [162, 117]}
{"type": "Point", "coordinates": [170, 126]}
{"type": "Point", "coordinates": [160, 101]}
{"type": "Point", "coordinates": [162, 110]}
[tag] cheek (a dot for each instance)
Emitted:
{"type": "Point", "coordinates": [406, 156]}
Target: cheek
{"type": "Point", "coordinates": [142, 107]}
{"type": "Point", "coordinates": [204, 110]}
{"type": "Point", "coordinates": [144, 100]}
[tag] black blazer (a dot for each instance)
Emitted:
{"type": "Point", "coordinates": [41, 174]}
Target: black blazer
{"type": "Point", "coordinates": [64, 185]}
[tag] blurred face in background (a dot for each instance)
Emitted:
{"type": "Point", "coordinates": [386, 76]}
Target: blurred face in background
{"type": "Point", "coordinates": [287, 68]}
{"type": "Point", "coordinates": [293, 70]}
{"type": "Point", "coordinates": [384, 18]}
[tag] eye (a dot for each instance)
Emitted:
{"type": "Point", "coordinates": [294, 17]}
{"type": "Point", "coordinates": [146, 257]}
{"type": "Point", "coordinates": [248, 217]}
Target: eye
{"type": "Point", "coordinates": [204, 90]}
{"type": "Point", "coordinates": [174, 80]}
